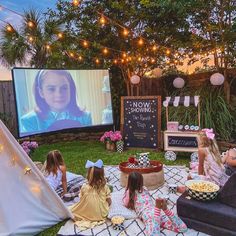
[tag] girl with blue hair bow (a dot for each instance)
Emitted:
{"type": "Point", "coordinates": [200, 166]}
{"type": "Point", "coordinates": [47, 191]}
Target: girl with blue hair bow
{"type": "Point", "coordinates": [95, 197]}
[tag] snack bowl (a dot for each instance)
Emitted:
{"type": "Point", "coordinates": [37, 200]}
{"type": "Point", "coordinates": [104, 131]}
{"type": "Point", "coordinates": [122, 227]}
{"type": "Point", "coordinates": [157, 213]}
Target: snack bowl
{"type": "Point", "coordinates": [202, 190]}
{"type": "Point", "coordinates": [118, 222]}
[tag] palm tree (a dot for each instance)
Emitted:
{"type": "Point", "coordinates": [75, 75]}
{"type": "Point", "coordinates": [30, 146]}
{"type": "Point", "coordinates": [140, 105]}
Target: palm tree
{"type": "Point", "coordinates": [30, 44]}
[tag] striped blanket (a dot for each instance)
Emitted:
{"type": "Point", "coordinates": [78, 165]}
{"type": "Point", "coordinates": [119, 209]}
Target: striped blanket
{"type": "Point", "coordinates": [73, 187]}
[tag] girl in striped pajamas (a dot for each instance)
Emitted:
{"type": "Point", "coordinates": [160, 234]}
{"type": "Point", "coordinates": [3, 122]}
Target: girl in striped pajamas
{"type": "Point", "coordinates": [138, 198]}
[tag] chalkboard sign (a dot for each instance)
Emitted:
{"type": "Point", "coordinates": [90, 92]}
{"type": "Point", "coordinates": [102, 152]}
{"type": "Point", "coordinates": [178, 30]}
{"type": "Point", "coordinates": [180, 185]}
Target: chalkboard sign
{"type": "Point", "coordinates": [178, 141]}
{"type": "Point", "coordinates": [182, 141]}
{"type": "Point", "coordinates": [141, 121]}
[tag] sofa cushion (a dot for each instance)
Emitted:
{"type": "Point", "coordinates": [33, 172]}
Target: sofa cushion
{"type": "Point", "coordinates": [227, 194]}
{"type": "Point", "coordinates": [209, 212]}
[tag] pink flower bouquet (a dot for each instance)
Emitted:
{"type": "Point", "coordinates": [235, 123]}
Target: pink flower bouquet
{"type": "Point", "coordinates": [29, 146]}
{"type": "Point", "coordinates": [111, 136]}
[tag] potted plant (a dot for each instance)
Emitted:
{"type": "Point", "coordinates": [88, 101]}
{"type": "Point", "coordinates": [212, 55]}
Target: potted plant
{"type": "Point", "coordinates": [110, 138]}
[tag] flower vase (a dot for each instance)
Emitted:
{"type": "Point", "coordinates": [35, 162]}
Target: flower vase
{"type": "Point", "coordinates": [110, 146]}
{"type": "Point", "coordinates": [119, 146]}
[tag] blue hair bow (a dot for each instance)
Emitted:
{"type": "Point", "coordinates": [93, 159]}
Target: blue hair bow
{"type": "Point", "coordinates": [98, 164]}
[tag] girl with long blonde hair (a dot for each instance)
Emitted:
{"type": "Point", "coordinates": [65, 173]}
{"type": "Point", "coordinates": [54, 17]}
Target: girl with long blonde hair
{"type": "Point", "coordinates": [210, 163]}
{"type": "Point", "coordinates": [95, 198]}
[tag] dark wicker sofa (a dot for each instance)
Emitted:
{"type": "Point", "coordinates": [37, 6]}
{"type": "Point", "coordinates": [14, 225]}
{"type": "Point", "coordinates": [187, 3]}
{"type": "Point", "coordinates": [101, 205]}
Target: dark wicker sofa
{"type": "Point", "coordinates": [217, 217]}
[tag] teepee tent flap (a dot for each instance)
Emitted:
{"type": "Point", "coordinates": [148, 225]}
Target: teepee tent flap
{"type": "Point", "coordinates": [28, 205]}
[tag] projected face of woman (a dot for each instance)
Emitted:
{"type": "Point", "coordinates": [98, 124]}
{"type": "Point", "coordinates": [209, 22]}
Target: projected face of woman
{"type": "Point", "coordinates": [55, 90]}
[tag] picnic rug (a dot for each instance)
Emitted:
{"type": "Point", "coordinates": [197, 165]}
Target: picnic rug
{"type": "Point", "coordinates": [134, 227]}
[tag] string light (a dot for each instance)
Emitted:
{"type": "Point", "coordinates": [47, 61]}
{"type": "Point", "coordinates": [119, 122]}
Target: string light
{"type": "Point", "coordinates": [9, 28]}
{"type": "Point", "coordinates": [60, 35]}
{"type": "Point", "coordinates": [31, 39]}
{"type": "Point", "coordinates": [72, 54]}
{"type": "Point", "coordinates": [152, 61]}
{"type": "Point", "coordinates": [76, 3]}
{"type": "Point", "coordinates": [85, 43]}
{"type": "Point", "coordinates": [80, 58]}
{"type": "Point", "coordinates": [97, 61]}
{"type": "Point", "coordinates": [102, 20]}
{"type": "Point", "coordinates": [30, 24]}
{"type": "Point", "coordinates": [125, 32]}
{"type": "Point", "coordinates": [115, 61]}
{"type": "Point", "coordinates": [27, 170]}
{"type": "Point", "coordinates": [154, 48]}
{"type": "Point", "coordinates": [140, 42]}
{"type": "Point", "coordinates": [168, 52]}
{"type": "Point", "coordinates": [105, 51]}
{"type": "Point", "coordinates": [124, 55]}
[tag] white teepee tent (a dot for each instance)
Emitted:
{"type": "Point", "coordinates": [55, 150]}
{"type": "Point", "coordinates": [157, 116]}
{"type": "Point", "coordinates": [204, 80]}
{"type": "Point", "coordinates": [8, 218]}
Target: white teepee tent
{"type": "Point", "coordinates": [27, 203]}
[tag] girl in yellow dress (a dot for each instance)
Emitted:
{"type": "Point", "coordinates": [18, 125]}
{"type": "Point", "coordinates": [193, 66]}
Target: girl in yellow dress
{"type": "Point", "coordinates": [95, 198]}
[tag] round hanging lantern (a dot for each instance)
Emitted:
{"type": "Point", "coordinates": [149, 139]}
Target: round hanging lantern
{"type": "Point", "coordinates": [135, 79]}
{"type": "Point", "coordinates": [157, 72]}
{"type": "Point", "coordinates": [217, 79]}
{"type": "Point", "coordinates": [178, 82]}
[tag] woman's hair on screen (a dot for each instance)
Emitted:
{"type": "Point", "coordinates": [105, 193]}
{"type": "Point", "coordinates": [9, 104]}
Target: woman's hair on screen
{"type": "Point", "coordinates": [42, 108]}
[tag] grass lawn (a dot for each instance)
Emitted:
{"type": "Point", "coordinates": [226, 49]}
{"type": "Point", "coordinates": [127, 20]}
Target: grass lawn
{"type": "Point", "coordinates": [76, 154]}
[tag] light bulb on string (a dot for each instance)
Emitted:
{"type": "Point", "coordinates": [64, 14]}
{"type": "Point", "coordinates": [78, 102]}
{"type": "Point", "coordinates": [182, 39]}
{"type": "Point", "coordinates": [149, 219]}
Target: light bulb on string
{"type": "Point", "coordinates": [125, 32]}
{"type": "Point", "coordinates": [140, 42]}
{"type": "Point", "coordinates": [59, 35]}
{"type": "Point", "coordinates": [75, 3]}
{"type": "Point", "coordinates": [85, 43]}
{"type": "Point", "coordinates": [30, 24]}
{"type": "Point", "coordinates": [80, 58]}
{"type": "Point", "coordinates": [72, 54]}
{"type": "Point", "coordinates": [115, 61]}
{"type": "Point", "coordinates": [168, 52]}
{"type": "Point", "coordinates": [97, 61]}
{"type": "Point", "coordinates": [153, 60]}
{"type": "Point", "coordinates": [9, 28]}
{"type": "Point", "coordinates": [105, 51]}
{"type": "Point", "coordinates": [31, 39]}
{"type": "Point", "coordinates": [124, 55]}
{"type": "Point", "coordinates": [154, 48]}
{"type": "Point", "coordinates": [102, 20]}
{"type": "Point", "coordinates": [27, 170]}
{"type": "Point", "coordinates": [47, 46]}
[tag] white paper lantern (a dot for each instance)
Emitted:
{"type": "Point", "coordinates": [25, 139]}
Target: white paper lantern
{"type": "Point", "coordinates": [157, 72]}
{"type": "Point", "coordinates": [135, 79]}
{"type": "Point", "coordinates": [217, 79]}
{"type": "Point", "coordinates": [178, 82]}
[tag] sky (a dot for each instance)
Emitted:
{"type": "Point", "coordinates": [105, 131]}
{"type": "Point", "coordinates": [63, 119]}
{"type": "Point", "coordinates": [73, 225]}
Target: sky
{"type": "Point", "coordinates": [19, 6]}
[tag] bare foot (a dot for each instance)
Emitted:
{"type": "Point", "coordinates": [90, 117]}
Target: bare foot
{"type": "Point", "coordinates": [181, 189]}
{"type": "Point", "coordinates": [159, 203]}
{"type": "Point", "coordinates": [189, 177]}
{"type": "Point", "coordinates": [164, 205]}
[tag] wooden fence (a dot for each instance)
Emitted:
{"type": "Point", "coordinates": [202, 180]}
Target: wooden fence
{"type": "Point", "coordinates": [7, 106]}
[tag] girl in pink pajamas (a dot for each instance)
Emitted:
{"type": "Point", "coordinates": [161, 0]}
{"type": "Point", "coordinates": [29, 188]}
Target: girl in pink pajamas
{"type": "Point", "coordinates": [138, 198]}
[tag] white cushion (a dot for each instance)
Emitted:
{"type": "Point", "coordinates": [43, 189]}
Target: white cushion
{"type": "Point", "coordinates": [118, 209]}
